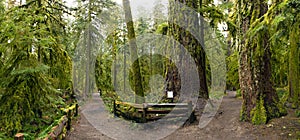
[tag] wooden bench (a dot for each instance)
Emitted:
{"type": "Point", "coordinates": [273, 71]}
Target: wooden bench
{"type": "Point", "coordinates": [155, 111]}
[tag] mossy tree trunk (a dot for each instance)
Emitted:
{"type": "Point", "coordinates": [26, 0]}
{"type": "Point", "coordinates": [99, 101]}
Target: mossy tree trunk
{"type": "Point", "coordinates": [294, 67]}
{"type": "Point", "coordinates": [186, 39]}
{"type": "Point", "coordinates": [260, 101]}
{"type": "Point", "coordinates": [137, 78]}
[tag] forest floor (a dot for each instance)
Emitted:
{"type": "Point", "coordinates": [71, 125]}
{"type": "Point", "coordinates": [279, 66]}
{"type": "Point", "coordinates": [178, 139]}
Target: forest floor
{"type": "Point", "coordinates": [224, 126]}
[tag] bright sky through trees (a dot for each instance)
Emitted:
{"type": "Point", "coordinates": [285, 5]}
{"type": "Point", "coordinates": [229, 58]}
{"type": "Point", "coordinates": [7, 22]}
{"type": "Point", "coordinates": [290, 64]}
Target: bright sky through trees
{"type": "Point", "coordinates": [137, 6]}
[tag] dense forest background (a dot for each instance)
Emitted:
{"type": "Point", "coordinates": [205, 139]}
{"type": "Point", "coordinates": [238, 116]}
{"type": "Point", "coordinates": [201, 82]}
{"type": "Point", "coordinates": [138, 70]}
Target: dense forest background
{"type": "Point", "coordinates": [53, 54]}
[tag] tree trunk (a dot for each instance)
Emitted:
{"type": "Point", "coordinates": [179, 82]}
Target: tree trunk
{"type": "Point", "coordinates": [88, 52]}
{"type": "Point", "coordinates": [186, 39]}
{"type": "Point", "coordinates": [201, 58]}
{"type": "Point", "coordinates": [260, 101]}
{"type": "Point", "coordinates": [294, 74]}
{"type": "Point", "coordinates": [137, 78]}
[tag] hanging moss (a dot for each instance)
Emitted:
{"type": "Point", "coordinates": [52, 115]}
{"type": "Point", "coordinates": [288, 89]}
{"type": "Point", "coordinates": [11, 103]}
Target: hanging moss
{"type": "Point", "coordinates": [258, 114]}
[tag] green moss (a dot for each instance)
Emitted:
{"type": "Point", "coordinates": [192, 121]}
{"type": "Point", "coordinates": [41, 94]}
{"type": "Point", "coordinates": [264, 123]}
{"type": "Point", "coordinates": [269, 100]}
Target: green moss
{"type": "Point", "coordinates": [162, 28]}
{"type": "Point", "coordinates": [294, 105]}
{"type": "Point", "coordinates": [280, 104]}
{"type": "Point", "coordinates": [258, 114]}
{"type": "Point", "coordinates": [238, 93]}
{"type": "Point", "coordinates": [243, 114]}
{"type": "Point", "coordinates": [294, 83]}
{"type": "Point", "coordinates": [282, 92]}
{"type": "Point", "coordinates": [232, 76]}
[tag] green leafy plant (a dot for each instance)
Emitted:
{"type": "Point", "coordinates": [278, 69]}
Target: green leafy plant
{"type": "Point", "coordinates": [238, 93]}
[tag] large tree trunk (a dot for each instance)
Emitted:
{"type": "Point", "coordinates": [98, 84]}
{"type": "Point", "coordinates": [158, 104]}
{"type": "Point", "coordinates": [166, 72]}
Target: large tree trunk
{"type": "Point", "coordinates": [186, 39]}
{"type": "Point", "coordinates": [137, 78]}
{"type": "Point", "coordinates": [260, 101]}
{"type": "Point", "coordinates": [294, 67]}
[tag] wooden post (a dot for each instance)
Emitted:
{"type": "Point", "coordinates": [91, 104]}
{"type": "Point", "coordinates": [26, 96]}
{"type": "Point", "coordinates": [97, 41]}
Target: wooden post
{"type": "Point", "coordinates": [19, 136]}
{"type": "Point", "coordinates": [76, 109]}
{"type": "Point", "coordinates": [69, 120]}
{"type": "Point", "coordinates": [114, 110]}
{"type": "Point", "coordinates": [145, 107]}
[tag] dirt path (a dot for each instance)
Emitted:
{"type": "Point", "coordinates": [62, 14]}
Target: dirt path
{"type": "Point", "coordinates": [225, 125]}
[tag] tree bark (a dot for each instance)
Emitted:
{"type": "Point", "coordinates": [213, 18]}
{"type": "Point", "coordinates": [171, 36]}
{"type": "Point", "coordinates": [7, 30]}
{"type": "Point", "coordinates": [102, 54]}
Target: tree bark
{"type": "Point", "coordinates": [260, 101]}
{"type": "Point", "coordinates": [186, 39]}
{"type": "Point", "coordinates": [294, 64]}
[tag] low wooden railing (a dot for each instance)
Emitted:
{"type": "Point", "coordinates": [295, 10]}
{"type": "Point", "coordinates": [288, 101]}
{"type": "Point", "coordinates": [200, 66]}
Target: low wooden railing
{"type": "Point", "coordinates": [154, 111]}
{"type": "Point", "coordinates": [64, 123]}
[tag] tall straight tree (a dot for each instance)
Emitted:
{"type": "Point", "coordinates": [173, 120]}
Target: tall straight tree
{"type": "Point", "coordinates": [294, 64]}
{"type": "Point", "coordinates": [137, 78]}
{"type": "Point", "coordinates": [88, 50]}
{"type": "Point", "coordinates": [260, 102]}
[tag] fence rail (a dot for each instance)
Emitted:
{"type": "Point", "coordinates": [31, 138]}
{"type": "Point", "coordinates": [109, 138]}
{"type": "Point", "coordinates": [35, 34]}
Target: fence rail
{"type": "Point", "coordinates": [154, 111]}
{"type": "Point", "coordinates": [64, 123]}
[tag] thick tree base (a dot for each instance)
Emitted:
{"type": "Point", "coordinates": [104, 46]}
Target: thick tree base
{"type": "Point", "coordinates": [263, 112]}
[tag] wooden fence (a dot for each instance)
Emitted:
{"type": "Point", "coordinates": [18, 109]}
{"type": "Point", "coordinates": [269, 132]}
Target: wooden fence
{"type": "Point", "coordinates": [154, 111]}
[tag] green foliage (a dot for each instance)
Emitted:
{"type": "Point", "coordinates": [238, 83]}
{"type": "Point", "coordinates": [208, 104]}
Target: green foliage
{"type": "Point", "coordinates": [243, 115]}
{"type": "Point", "coordinates": [238, 93]}
{"type": "Point", "coordinates": [103, 72]}
{"type": "Point", "coordinates": [85, 43]}
{"type": "Point", "coordinates": [282, 93]}
{"type": "Point", "coordinates": [48, 129]}
{"type": "Point", "coordinates": [280, 65]}
{"type": "Point", "coordinates": [157, 67]}
{"type": "Point", "coordinates": [3, 136]}
{"type": "Point", "coordinates": [285, 24]}
{"type": "Point", "coordinates": [258, 114]}
{"type": "Point", "coordinates": [281, 107]}
{"type": "Point", "coordinates": [298, 113]}
{"type": "Point", "coordinates": [162, 28]}
{"type": "Point", "coordinates": [232, 75]}
{"type": "Point", "coordinates": [24, 96]}
{"type": "Point", "coordinates": [142, 26]}
{"type": "Point", "coordinates": [283, 97]}
{"type": "Point", "coordinates": [32, 60]}
{"type": "Point", "coordinates": [2, 7]}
